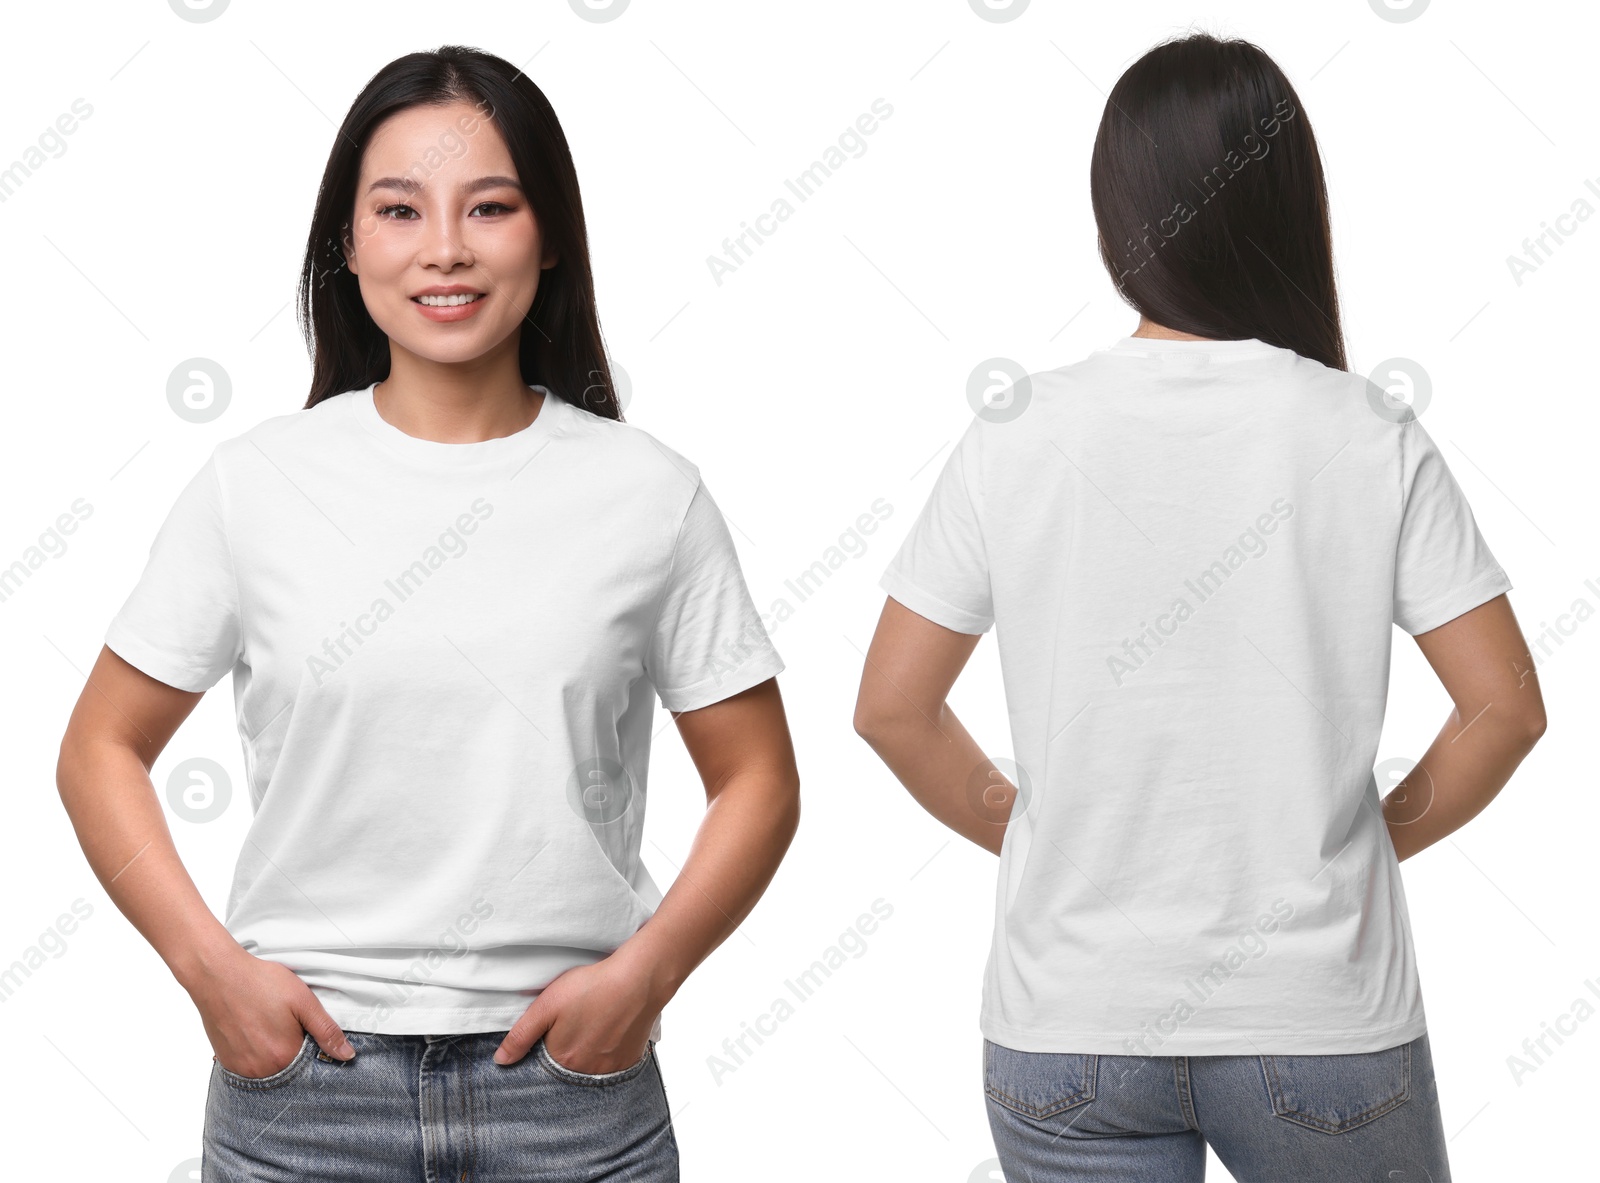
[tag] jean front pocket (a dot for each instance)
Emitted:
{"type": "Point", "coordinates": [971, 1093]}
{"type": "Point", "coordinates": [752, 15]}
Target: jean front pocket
{"type": "Point", "coordinates": [1038, 1084]}
{"type": "Point", "coordinates": [281, 1077]}
{"type": "Point", "coordinates": [1336, 1093]}
{"type": "Point", "coordinates": [592, 1079]}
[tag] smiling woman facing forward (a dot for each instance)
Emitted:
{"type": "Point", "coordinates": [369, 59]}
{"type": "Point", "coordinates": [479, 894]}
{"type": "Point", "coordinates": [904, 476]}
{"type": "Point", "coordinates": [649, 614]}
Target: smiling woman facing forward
{"type": "Point", "coordinates": [450, 590]}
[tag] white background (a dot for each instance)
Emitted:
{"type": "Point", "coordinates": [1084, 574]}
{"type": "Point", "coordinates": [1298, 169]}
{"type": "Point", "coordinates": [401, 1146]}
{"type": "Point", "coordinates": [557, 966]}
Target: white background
{"type": "Point", "coordinates": [828, 371]}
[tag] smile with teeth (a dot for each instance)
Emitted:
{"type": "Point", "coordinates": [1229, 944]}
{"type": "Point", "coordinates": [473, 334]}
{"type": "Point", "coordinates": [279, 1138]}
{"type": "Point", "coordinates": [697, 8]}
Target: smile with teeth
{"type": "Point", "coordinates": [448, 301]}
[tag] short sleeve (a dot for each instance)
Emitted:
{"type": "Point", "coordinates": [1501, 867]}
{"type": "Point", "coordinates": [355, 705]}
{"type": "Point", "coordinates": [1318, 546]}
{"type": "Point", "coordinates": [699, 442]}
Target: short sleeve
{"type": "Point", "coordinates": [181, 624]}
{"type": "Point", "coordinates": [709, 642]}
{"type": "Point", "coordinates": [941, 570]}
{"type": "Point", "coordinates": [1442, 565]}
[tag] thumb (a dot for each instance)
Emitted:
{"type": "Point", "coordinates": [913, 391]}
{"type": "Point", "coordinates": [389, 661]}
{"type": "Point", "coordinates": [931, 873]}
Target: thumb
{"type": "Point", "coordinates": [525, 1032]}
{"type": "Point", "coordinates": [320, 1026]}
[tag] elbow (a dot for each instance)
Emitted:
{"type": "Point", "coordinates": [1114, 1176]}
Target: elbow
{"type": "Point", "coordinates": [73, 773]}
{"type": "Point", "coordinates": [1535, 724]}
{"type": "Point", "coordinates": [784, 809]}
{"type": "Point", "coordinates": [882, 722]}
{"type": "Point", "coordinates": [794, 809]}
{"type": "Point", "coordinates": [868, 722]}
{"type": "Point", "coordinates": [66, 765]}
{"type": "Point", "coordinates": [874, 714]}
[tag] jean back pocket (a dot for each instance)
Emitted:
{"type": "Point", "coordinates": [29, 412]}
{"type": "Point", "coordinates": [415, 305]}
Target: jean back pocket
{"type": "Point", "coordinates": [1038, 1084]}
{"type": "Point", "coordinates": [1335, 1093]}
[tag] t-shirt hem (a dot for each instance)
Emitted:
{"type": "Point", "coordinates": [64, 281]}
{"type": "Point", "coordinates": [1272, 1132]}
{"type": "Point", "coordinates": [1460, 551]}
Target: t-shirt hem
{"type": "Point", "coordinates": [765, 664]}
{"type": "Point", "coordinates": [930, 606]}
{"type": "Point", "coordinates": [429, 1021]}
{"type": "Point", "coordinates": [1485, 587]}
{"type": "Point", "coordinates": [147, 658]}
{"type": "Point", "coordinates": [437, 1020]}
{"type": "Point", "coordinates": [1265, 1043]}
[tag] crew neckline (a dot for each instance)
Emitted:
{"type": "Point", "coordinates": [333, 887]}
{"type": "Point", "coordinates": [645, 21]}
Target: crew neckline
{"type": "Point", "coordinates": [1170, 345]}
{"type": "Point", "coordinates": [474, 452]}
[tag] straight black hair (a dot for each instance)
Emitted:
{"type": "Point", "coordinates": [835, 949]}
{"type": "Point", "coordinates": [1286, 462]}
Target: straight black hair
{"type": "Point", "coordinates": [561, 347]}
{"type": "Point", "coordinates": [1208, 192]}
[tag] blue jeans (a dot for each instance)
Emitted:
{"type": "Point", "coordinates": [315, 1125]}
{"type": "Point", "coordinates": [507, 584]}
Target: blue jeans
{"type": "Point", "coordinates": [419, 1107]}
{"type": "Point", "coordinates": [1270, 1119]}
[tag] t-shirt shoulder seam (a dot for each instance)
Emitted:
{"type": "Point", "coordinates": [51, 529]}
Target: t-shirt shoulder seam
{"type": "Point", "coordinates": [1400, 510]}
{"type": "Point", "coordinates": [672, 563]}
{"type": "Point", "coordinates": [974, 490]}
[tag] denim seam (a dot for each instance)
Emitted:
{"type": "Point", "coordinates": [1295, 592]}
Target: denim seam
{"type": "Point", "coordinates": [427, 1099]}
{"type": "Point", "coordinates": [661, 1084]}
{"type": "Point", "coordinates": [1180, 1076]}
{"type": "Point", "coordinates": [472, 1123]}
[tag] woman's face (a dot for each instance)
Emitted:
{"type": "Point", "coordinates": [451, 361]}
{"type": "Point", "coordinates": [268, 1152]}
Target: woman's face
{"type": "Point", "coordinates": [438, 205]}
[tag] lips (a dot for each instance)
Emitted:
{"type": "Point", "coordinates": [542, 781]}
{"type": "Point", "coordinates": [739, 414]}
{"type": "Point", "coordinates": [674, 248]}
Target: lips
{"type": "Point", "coordinates": [449, 307]}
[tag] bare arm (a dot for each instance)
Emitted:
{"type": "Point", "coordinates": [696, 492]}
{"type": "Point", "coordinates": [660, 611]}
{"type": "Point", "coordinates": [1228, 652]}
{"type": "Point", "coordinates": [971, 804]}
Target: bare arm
{"type": "Point", "coordinates": [596, 1018]}
{"type": "Point", "coordinates": [742, 750]}
{"type": "Point", "coordinates": [1483, 661]}
{"type": "Point", "coordinates": [902, 714]}
{"type": "Point", "coordinates": [122, 721]}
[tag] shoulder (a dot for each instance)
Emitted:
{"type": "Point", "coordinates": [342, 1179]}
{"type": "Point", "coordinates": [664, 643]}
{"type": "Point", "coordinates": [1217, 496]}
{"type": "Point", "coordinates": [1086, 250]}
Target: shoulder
{"type": "Point", "coordinates": [1288, 383]}
{"type": "Point", "coordinates": [1374, 409]}
{"type": "Point", "coordinates": [1023, 415]}
{"type": "Point", "coordinates": [308, 427]}
{"type": "Point", "coordinates": [630, 454]}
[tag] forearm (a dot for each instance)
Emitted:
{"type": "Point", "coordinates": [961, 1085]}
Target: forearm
{"type": "Point", "coordinates": [945, 770]}
{"type": "Point", "coordinates": [747, 827]}
{"type": "Point", "coordinates": [119, 823]}
{"type": "Point", "coordinates": [1457, 777]}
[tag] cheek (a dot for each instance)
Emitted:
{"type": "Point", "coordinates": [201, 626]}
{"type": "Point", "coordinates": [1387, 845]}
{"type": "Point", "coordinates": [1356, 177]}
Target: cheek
{"type": "Point", "coordinates": [517, 253]}
{"type": "Point", "coordinates": [382, 258]}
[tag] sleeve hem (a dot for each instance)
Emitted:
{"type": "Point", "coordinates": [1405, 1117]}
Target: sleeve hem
{"type": "Point", "coordinates": [931, 607]}
{"type": "Point", "coordinates": [145, 657]}
{"type": "Point", "coordinates": [1444, 609]}
{"type": "Point", "coordinates": [765, 664]}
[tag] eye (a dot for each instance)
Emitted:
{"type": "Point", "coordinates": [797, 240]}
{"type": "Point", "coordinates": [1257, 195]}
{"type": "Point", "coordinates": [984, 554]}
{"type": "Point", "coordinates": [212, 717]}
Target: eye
{"type": "Point", "coordinates": [390, 211]}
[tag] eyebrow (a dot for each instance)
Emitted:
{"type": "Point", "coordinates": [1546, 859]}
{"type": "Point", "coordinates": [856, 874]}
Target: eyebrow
{"type": "Point", "coordinates": [407, 185]}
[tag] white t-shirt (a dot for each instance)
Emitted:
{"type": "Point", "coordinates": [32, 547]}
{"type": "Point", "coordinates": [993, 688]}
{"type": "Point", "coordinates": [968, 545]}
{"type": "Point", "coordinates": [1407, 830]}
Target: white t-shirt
{"type": "Point", "coordinates": [1193, 553]}
{"type": "Point", "coordinates": [445, 663]}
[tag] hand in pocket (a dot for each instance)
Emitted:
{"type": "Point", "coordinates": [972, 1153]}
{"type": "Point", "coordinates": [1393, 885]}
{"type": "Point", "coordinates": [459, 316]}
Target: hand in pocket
{"type": "Point", "coordinates": [257, 1014]}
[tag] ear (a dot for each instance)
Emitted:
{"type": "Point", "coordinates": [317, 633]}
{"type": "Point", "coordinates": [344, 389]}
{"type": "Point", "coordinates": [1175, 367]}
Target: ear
{"type": "Point", "coordinates": [551, 258]}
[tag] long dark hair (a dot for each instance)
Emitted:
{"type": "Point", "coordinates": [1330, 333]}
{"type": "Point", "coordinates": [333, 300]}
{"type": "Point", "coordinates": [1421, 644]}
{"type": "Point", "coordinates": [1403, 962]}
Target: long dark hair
{"type": "Point", "coordinates": [1209, 195]}
{"type": "Point", "coordinates": [561, 346]}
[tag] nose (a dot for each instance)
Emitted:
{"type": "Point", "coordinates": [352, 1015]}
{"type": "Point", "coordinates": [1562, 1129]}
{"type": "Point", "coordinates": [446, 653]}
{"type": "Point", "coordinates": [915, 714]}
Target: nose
{"type": "Point", "coordinates": [442, 246]}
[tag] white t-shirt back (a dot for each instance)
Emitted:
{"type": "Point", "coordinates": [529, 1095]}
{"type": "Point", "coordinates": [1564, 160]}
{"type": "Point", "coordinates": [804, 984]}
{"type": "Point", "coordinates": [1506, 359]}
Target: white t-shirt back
{"type": "Point", "coordinates": [446, 659]}
{"type": "Point", "coordinates": [1193, 554]}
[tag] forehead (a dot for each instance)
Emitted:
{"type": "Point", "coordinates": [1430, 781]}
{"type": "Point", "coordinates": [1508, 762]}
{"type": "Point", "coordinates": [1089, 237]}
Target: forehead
{"type": "Point", "coordinates": [436, 146]}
